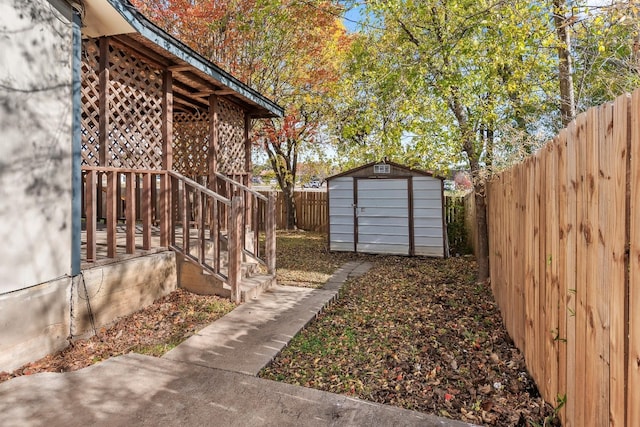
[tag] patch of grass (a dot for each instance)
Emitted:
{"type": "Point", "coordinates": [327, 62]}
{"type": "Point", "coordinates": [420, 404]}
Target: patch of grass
{"type": "Point", "coordinates": [159, 349]}
{"type": "Point", "coordinates": [303, 259]}
{"type": "Point", "coordinates": [151, 331]}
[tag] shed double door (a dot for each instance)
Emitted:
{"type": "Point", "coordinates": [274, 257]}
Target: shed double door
{"type": "Point", "coordinates": [382, 216]}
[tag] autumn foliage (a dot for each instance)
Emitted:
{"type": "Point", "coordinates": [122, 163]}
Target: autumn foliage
{"type": "Point", "coordinates": [291, 51]}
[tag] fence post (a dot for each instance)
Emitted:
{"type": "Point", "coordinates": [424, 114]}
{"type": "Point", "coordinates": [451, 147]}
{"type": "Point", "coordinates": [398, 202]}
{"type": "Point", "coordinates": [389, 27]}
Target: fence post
{"type": "Point", "coordinates": [270, 231]}
{"type": "Point", "coordinates": [235, 247]}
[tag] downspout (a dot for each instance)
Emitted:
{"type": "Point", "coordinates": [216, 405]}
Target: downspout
{"type": "Point", "coordinates": [76, 144]}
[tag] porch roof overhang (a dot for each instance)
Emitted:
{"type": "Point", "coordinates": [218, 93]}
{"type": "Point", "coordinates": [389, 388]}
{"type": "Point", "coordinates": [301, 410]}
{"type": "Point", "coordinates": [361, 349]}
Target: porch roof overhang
{"type": "Point", "coordinates": [194, 77]}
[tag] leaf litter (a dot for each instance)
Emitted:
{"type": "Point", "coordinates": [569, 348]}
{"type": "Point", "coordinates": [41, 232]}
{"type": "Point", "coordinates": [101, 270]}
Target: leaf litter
{"type": "Point", "coordinates": [417, 333]}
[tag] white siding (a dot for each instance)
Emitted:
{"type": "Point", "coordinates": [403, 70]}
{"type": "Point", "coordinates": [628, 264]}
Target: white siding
{"type": "Point", "coordinates": [35, 148]}
{"type": "Point", "coordinates": [383, 216]}
{"type": "Point", "coordinates": [341, 229]}
{"type": "Point", "coordinates": [427, 217]}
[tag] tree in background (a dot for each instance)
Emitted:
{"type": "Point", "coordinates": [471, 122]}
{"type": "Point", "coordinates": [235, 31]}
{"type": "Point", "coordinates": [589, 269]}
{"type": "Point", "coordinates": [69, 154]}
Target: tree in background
{"type": "Point", "coordinates": [480, 83]}
{"type": "Point", "coordinates": [606, 52]}
{"type": "Point", "coordinates": [289, 50]}
{"type": "Point", "coordinates": [447, 79]}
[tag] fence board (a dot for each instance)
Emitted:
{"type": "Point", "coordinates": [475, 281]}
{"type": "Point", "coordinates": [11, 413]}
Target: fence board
{"type": "Point", "coordinates": [613, 185]}
{"type": "Point", "coordinates": [518, 275]}
{"type": "Point", "coordinates": [538, 279]}
{"type": "Point", "coordinates": [573, 186]}
{"type": "Point", "coordinates": [506, 291]}
{"type": "Point", "coordinates": [633, 368]}
{"type": "Point", "coordinates": [551, 282]}
{"type": "Point", "coordinates": [311, 210]}
{"type": "Point", "coordinates": [595, 340]}
{"type": "Point", "coordinates": [581, 274]}
{"type": "Point", "coordinates": [562, 209]}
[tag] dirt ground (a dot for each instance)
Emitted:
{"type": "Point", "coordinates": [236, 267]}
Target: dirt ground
{"type": "Point", "coordinates": [416, 333]}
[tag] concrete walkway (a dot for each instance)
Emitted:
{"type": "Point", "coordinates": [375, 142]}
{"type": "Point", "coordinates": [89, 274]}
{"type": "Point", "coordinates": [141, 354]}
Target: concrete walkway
{"type": "Point", "coordinates": [208, 380]}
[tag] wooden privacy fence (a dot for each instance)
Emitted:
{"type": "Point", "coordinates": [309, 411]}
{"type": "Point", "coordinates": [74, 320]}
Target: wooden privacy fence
{"type": "Point", "coordinates": [564, 234]}
{"type": "Point", "coordinates": [311, 210]}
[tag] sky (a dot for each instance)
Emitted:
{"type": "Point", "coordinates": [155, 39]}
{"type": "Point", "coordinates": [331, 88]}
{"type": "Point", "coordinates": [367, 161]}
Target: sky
{"type": "Point", "coordinates": [352, 17]}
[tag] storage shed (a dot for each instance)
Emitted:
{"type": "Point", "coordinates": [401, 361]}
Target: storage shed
{"type": "Point", "coordinates": [387, 208]}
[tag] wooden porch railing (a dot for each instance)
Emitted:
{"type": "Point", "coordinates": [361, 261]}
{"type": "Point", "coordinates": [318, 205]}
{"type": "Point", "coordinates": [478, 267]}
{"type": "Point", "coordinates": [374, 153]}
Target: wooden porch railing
{"type": "Point", "coordinates": [187, 217]}
{"type": "Point", "coordinates": [201, 215]}
{"type": "Point", "coordinates": [143, 201]}
{"type": "Point", "coordinates": [254, 203]}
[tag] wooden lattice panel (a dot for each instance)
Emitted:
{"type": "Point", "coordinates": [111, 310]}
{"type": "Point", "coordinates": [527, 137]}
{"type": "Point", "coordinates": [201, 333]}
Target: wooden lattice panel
{"type": "Point", "coordinates": [135, 105]}
{"type": "Point", "coordinates": [191, 143]}
{"type": "Point", "coordinates": [90, 103]}
{"type": "Point", "coordinates": [231, 154]}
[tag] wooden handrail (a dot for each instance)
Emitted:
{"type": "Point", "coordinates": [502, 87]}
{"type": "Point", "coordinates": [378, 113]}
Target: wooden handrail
{"type": "Point", "coordinates": [241, 186]}
{"type": "Point", "coordinates": [200, 187]}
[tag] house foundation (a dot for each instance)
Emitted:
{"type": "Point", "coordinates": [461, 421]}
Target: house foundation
{"type": "Point", "coordinates": [61, 309]}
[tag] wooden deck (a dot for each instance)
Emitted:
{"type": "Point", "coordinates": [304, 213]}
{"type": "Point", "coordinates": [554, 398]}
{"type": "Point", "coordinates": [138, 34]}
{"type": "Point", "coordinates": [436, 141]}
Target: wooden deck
{"type": "Point", "coordinates": [121, 244]}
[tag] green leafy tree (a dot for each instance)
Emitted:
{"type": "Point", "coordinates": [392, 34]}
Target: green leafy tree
{"type": "Point", "coordinates": [606, 52]}
{"type": "Point", "coordinates": [452, 78]}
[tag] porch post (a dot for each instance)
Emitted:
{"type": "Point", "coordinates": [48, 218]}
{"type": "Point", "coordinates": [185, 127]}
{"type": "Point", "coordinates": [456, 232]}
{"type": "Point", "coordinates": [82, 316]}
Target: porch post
{"type": "Point", "coordinates": [103, 103]}
{"type": "Point", "coordinates": [167, 158]}
{"type": "Point", "coordinates": [104, 118]}
{"type": "Point", "coordinates": [250, 206]}
{"type": "Point", "coordinates": [214, 143]}
{"type": "Point", "coordinates": [235, 247]}
{"type": "Point", "coordinates": [217, 213]}
{"type": "Point", "coordinates": [248, 164]}
{"type": "Point", "coordinates": [270, 237]}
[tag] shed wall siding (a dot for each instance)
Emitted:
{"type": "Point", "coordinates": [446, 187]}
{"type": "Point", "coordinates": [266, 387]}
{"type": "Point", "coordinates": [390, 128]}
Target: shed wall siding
{"type": "Point", "coordinates": [35, 153]}
{"type": "Point", "coordinates": [427, 217]}
{"type": "Point", "coordinates": [341, 230]}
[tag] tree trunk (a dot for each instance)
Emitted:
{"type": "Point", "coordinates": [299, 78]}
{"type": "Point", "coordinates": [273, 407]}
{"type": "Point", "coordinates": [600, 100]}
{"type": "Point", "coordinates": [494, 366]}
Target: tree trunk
{"type": "Point", "coordinates": [482, 242]}
{"type": "Point", "coordinates": [482, 248]}
{"type": "Point", "coordinates": [290, 207]}
{"type": "Point", "coordinates": [567, 97]}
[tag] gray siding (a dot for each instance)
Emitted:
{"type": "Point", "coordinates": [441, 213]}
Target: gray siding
{"type": "Point", "coordinates": [341, 230]}
{"type": "Point", "coordinates": [427, 217]}
{"type": "Point", "coordinates": [383, 216]}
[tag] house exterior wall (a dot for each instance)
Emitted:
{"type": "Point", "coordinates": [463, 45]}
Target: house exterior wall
{"type": "Point", "coordinates": [34, 322]}
{"type": "Point", "coordinates": [35, 153]}
{"type": "Point", "coordinates": [38, 321]}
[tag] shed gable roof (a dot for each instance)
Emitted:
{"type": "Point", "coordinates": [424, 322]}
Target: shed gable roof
{"type": "Point", "coordinates": [395, 165]}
